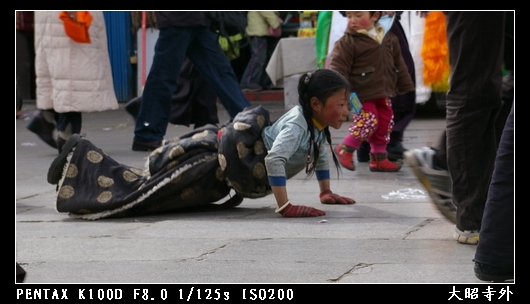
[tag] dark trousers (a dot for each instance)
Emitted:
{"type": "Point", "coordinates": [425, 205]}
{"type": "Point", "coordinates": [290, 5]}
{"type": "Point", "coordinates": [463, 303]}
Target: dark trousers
{"type": "Point", "coordinates": [194, 102]}
{"type": "Point", "coordinates": [496, 246]}
{"type": "Point", "coordinates": [404, 105]}
{"type": "Point", "coordinates": [25, 64]}
{"type": "Point", "coordinates": [72, 119]}
{"type": "Point", "coordinates": [475, 41]}
{"type": "Point", "coordinates": [63, 121]}
{"type": "Point", "coordinates": [261, 48]}
{"type": "Point", "coordinates": [200, 45]}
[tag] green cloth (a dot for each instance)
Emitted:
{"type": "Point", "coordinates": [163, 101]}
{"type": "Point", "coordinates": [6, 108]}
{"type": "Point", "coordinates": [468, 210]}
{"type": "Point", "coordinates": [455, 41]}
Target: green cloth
{"type": "Point", "coordinates": [322, 36]}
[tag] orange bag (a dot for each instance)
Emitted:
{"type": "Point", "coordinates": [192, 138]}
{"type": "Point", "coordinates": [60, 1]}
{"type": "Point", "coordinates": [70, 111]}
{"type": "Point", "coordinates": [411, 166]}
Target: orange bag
{"type": "Point", "coordinates": [77, 28]}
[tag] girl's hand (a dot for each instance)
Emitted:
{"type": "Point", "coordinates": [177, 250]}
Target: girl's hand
{"type": "Point", "coordinates": [289, 210]}
{"type": "Point", "coordinates": [328, 197]}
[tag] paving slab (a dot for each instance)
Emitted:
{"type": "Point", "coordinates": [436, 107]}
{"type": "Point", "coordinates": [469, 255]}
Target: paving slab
{"type": "Point", "coordinates": [377, 240]}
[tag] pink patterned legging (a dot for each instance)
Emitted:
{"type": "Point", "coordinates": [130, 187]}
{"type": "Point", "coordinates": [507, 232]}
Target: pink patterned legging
{"type": "Point", "coordinates": [373, 124]}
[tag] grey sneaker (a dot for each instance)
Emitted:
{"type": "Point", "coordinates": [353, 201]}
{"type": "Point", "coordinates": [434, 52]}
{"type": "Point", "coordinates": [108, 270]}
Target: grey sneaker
{"type": "Point", "coordinates": [466, 237]}
{"type": "Point", "coordinates": [436, 182]}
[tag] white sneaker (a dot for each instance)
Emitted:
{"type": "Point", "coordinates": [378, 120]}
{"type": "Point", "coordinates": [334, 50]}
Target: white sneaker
{"type": "Point", "coordinates": [436, 182]}
{"type": "Point", "coordinates": [466, 237]}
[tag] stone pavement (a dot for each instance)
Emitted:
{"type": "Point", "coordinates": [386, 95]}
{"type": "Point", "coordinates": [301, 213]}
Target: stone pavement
{"type": "Point", "coordinates": [377, 240]}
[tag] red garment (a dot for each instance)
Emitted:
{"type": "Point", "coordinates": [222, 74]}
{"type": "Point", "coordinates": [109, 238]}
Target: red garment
{"type": "Point", "coordinates": [373, 124]}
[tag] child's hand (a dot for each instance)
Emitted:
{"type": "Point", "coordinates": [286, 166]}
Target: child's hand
{"type": "Point", "coordinates": [289, 210]}
{"type": "Point", "coordinates": [328, 197]}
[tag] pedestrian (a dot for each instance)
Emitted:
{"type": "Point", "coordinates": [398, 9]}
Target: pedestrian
{"type": "Point", "coordinates": [457, 174]}
{"type": "Point", "coordinates": [181, 34]}
{"type": "Point", "coordinates": [494, 258]}
{"type": "Point", "coordinates": [403, 105]}
{"type": "Point", "coordinates": [72, 77]}
{"type": "Point", "coordinates": [262, 45]}
{"type": "Point", "coordinates": [371, 60]}
{"type": "Point", "coordinates": [249, 155]}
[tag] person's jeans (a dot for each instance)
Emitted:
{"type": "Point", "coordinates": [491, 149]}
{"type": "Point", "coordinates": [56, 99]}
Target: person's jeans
{"type": "Point", "coordinates": [255, 69]}
{"type": "Point", "coordinates": [475, 41]}
{"type": "Point", "coordinates": [496, 246]}
{"type": "Point", "coordinates": [200, 45]}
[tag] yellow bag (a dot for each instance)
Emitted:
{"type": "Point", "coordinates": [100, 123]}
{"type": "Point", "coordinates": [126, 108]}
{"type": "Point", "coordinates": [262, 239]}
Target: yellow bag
{"type": "Point", "coordinates": [231, 48]}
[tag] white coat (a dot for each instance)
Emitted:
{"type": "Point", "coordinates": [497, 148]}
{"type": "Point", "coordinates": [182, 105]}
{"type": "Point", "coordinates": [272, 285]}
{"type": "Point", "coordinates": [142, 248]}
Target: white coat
{"type": "Point", "coordinates": [71, 76]}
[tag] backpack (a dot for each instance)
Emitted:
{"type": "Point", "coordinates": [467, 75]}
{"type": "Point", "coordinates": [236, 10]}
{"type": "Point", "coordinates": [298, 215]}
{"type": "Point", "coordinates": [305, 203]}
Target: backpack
{"type": "Point", "coordinates": [231, 27]}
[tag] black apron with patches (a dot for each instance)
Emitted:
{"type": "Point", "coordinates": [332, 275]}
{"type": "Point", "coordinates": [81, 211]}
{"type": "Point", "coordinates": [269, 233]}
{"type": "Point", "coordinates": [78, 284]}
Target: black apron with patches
{"type": "Point", "coordinates": [96, 186]}
{"type": "Point", "coordinates": [242, 152]}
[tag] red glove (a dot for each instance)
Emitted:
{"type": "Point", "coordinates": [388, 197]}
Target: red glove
{"type": "Point", "coordinates": [328, 197]}
{"type": "Point", "coordinates": [289, 210]}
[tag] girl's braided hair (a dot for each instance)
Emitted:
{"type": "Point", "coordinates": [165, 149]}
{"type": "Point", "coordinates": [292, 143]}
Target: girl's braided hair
{"type": "Point", "coordinates": [321, 84]}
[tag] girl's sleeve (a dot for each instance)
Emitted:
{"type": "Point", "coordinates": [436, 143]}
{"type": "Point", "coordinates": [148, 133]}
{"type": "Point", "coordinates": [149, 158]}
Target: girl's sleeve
{"type": "Point", "coordinates": [284, 146]}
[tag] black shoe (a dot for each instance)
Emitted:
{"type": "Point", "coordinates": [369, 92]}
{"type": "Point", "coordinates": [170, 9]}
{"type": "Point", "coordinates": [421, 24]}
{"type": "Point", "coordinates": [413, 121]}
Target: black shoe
{"type": "Point", "coordinates": [363, 153]}
{"type": "Point", "coordinates": [395, 151]}
{"type": "Point", "coordinates": [43, 129]}
{"type": "Point", "coordinates": [55, 172]}
{"type": "Point", "coordinates": [146, 146]}
{"type": "Point", "coordinates": [489, 273]}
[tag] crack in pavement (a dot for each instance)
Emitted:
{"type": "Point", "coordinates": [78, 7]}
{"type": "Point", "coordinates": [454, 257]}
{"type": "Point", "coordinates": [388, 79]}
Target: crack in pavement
{"type": "Point", "coordinates": [203, 256]}
{"type": "Point", "coordinates": [418, 227]}
{"type": "Point", "coordinates": [351, 271]}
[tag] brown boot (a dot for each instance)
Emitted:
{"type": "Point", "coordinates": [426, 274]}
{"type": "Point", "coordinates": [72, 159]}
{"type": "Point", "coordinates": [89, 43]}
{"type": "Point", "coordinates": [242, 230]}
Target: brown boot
{"type": "Point", "coordinates": [379, 163]}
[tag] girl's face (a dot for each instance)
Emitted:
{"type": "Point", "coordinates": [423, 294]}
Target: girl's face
{"type": "Point", "coordinates": [361, 20]}
{"type": "Point", "coordinates": [333, 112]}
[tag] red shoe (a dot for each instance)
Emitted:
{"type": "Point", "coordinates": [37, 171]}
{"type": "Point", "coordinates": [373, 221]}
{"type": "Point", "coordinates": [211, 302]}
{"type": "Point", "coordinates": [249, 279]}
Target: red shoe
{"type": "Point", "coordinates": [345, 156]}
{"type": "Point", "coordinates": [379, 163]}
